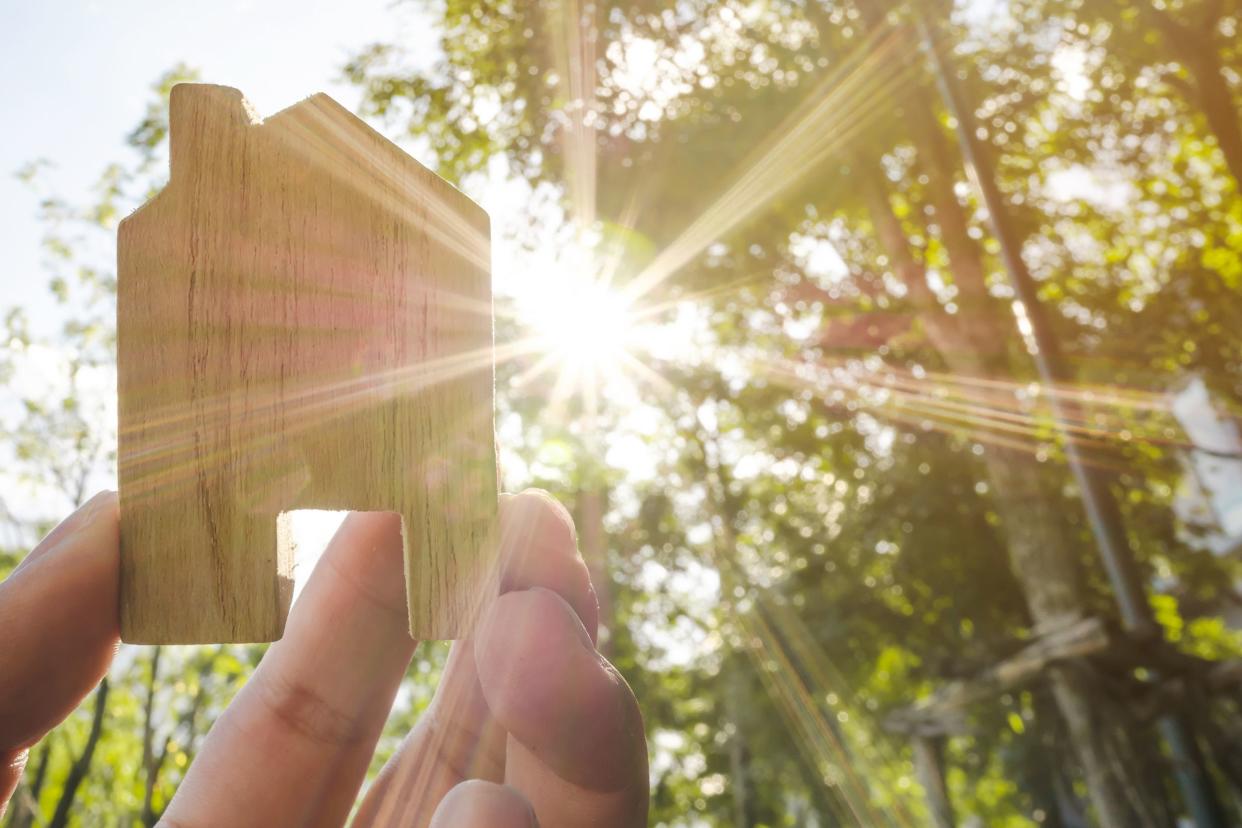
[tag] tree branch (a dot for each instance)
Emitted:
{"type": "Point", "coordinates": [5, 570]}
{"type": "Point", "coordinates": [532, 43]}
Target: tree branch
{"type": "Point", "coordinates": [82, 764]}
{"type": "Point", "coordinates": [189, 719]}
{"type": "Point", "coordinates": [148, 732]}
{"type": "Point", "coordinates": [26, 802]}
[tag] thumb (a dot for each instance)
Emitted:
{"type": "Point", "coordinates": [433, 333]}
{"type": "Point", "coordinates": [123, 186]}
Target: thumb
{"type": "Point", "coordinates": [58, 619]}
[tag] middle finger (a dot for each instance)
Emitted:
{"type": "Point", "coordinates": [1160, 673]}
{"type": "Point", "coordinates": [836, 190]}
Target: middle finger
{"type": "Point", "coordinates": [457, 739]}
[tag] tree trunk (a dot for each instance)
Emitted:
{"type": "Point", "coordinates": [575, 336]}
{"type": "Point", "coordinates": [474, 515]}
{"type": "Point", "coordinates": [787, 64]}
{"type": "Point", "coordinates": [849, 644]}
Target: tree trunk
{"type": "Point", "coordinates": [929, 768]}
{"type": "Point", "coordinates": [1048, 775]}
{"type": "Point", "coordinates": [1218, 108]}
{"type": "Point", "coordinates": [1039, 551]}
{"type": "Point", "coordinates": [739, 751]}
{"type": "Point", "coordinates": [1195, 47]}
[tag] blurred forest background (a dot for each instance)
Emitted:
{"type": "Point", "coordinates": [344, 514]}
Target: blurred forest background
{"type": "Point", "coordinates": [843, 561]}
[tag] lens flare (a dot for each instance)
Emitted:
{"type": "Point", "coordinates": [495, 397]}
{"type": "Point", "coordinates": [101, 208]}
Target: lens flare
{"type": "Point", "coordinates": [584, 324]}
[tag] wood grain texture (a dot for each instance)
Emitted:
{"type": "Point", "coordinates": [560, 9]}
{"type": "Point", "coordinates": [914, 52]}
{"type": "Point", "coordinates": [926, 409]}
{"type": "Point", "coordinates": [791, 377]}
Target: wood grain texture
{"type": "Point", "coordinates": [304, 322]}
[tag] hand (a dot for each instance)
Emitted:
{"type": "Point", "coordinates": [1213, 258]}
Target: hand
{"type": "Point", "coordinates": [529, 719]}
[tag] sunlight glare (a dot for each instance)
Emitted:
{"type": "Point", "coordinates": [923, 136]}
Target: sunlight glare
{"type": "Point", "coordinates": [585, 335]}
{"type": "Point", "coordinates": [584, 324]}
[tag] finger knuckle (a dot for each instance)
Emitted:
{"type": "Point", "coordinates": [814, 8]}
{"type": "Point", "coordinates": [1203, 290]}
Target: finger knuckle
{"type": "Point", "coordinates": [300, 708]}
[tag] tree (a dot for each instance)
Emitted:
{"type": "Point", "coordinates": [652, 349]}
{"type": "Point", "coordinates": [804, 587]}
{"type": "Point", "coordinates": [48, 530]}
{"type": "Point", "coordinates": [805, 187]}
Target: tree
{"type": "Point", "coordinates": [852, 493]}
{"type": "Point", "coordinates": [918, 288]}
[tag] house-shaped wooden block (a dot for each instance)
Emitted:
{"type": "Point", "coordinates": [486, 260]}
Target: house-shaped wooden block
{"type": "Point", "coordinates": [304, 321]}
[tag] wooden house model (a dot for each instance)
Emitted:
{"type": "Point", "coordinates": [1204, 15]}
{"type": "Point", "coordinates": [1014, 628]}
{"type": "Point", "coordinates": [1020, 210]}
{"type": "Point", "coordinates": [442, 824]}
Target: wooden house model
{"type": "Point", "coordinates": [304, 321]}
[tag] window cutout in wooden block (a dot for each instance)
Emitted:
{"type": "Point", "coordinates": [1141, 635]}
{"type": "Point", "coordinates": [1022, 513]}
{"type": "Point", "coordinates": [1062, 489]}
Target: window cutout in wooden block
{"type": "Point", "coordinates": [311, 530]}
{"type": "Point", "coordinates": [304, 321]}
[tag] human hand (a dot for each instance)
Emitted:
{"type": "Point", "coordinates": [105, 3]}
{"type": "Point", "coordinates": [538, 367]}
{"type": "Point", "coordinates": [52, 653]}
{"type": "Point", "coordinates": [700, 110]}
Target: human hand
{"type": "Point", "coordinates": [529, 719]}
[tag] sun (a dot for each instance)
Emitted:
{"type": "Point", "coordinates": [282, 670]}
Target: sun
{"type": "Point", "coordinates": [585, 343]}
{"type": "Point", "coordinates": [583, 334]}
{"type": "Point", "coordinates": [585, 324]}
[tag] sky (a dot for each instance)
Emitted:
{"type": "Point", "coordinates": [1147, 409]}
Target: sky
{"type": "Point", "coordinates": [75, 77]}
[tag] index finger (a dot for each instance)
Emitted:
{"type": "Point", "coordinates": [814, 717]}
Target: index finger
{"type": "Point", "coordinates": [294, 746]}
